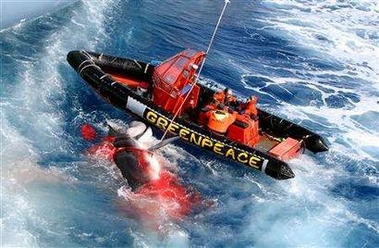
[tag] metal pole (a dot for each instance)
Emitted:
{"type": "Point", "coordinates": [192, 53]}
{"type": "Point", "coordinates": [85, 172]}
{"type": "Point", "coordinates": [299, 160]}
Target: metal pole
{"type": "Point", "coordinates": [201, 67]}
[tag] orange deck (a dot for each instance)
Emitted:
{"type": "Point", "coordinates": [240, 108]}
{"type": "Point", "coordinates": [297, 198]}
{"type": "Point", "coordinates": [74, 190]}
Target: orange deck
{"type": "Point", "coordinates": [130, 82]}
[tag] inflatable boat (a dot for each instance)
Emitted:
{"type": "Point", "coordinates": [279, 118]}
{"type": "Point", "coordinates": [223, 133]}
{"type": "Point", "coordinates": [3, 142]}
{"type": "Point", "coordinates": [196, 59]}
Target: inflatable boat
{"type": "Point", "coordinates": [169, 96]}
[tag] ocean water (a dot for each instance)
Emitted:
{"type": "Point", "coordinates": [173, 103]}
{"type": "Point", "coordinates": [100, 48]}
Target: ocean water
{"type": "Point", "coordinates": [313, 62]}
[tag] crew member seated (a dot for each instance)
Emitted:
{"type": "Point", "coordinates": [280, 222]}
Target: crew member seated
{"type": "Point", "coordinates": [224, 97]}
{"type": "Point", "coordinates": [251, 108]}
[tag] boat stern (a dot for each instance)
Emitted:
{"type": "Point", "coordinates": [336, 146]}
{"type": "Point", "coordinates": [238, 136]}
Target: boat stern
{"type": "Point", "coordinates": [316, 143]}
{"type": "Point", "coordinates": [279, 170]}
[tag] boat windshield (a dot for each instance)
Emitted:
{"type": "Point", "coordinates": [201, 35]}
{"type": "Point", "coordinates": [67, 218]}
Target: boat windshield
{"type": "Point", "coordinates": [178, 66]}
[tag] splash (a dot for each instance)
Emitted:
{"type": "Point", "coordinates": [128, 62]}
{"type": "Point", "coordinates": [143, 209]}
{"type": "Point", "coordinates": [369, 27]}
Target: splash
{"type": "Point", "coordinates": [312, 61]}
{"type": "Point", "coordinates": [32, 116]}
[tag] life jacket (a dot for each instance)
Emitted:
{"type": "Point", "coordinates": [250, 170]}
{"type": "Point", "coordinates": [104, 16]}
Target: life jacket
{"type": "Point", "coordinates": [251, 108]}
{"type": "Point", "coordinates": [219, 97]}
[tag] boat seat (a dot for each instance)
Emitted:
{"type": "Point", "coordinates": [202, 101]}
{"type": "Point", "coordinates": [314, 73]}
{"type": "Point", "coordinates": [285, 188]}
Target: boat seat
{"type": "Point", "coordinates": [241, 124]}
{"type": "Point", "coordinates": [265, 144]}
{"type": "Point", "coordinates": [286, 149]}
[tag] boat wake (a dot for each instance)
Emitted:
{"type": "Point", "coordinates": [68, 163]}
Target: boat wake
{"type": "Point", "coordinates": [312, 62]}
{"type": "Point", "coordinates": [36, 151]}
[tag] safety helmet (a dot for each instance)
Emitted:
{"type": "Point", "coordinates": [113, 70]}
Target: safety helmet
{"type": "Point", "coordinates": [253, 98]}
{"type": "Point", "coordinates": [228, 91]}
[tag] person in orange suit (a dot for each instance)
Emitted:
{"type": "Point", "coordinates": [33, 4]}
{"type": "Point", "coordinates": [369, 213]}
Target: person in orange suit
{"type": "Point", "coordinates": [219, 96]}
{"type": "Point", "coordinates": [224, 97]}
{"type": "Point", "coordinates": [251, 107]}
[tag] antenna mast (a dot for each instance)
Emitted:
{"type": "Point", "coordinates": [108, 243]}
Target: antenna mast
{"type": "Point", "coordinates": [201, 67]}
{"type": "Point", "coordinates": [212, 38]}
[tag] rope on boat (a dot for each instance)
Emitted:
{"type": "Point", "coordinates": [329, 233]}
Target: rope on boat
{"type": "Point", "coordinates": [201, 67]}
{"type": "Point", "coordinates": [86, 54]}
{"type": "Point", "coordinates": [87, 66]}
{"type": "Point", "coordinates": [146, 67]}
{"type": "Point", "coordinates": [105, 75]}
{"type": "Point", "coordinates": [135, 61]}
{"type": "Point", "coordinates": [212, 39]}
{"type": "Point", "coordinates": [84, 61]}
